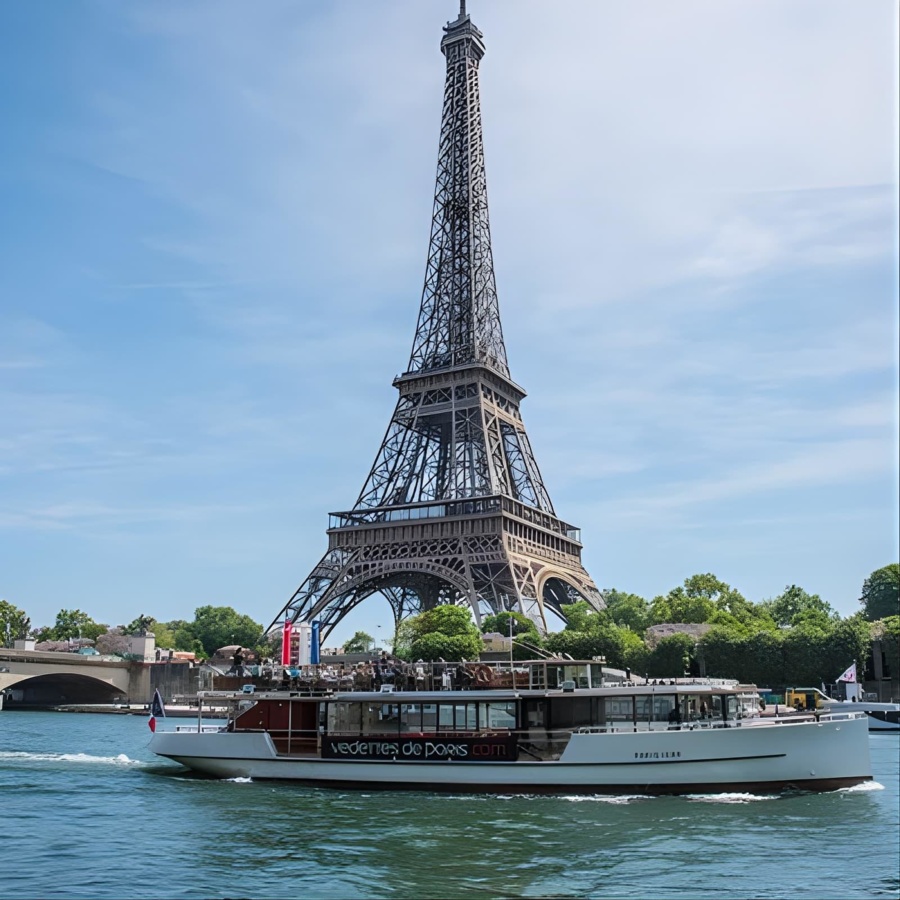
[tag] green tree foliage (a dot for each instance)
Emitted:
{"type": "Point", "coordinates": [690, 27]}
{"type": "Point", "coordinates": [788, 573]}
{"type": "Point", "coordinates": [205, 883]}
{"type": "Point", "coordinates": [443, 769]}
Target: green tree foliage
{"type": "Point", "coordinates": [890, 644]}
{"type": "Point", "coordinates": [214, 627]}
{"type": "Point", "coordinates": [164, 635]}
{"type": "Point", "coordinates": [14, 624]}
{"type": "Point", "coordinates": [671, 657]}
{"type": "Point", "coordinates": [445, 631]}
{"type": "Point", "coordinates": [588, 634]}
{"type": "Point", "coordinates": [627, 610]}
{"type": "Point", "coordinates": [361, 642]}
{"type": "Point", "coordinates": [72, 623]}
{"type": "Point", "coordinates": [794, 605]}
{"type": "Point", "coordinates": [678, 606]}
{"type": "Point", "coordinates": [750, 658]}
{"type": "Point", "coordinates": [809, 653]}
{"type": "Point", "coordinates": [881, 593]}
{"type": "Point", "coordinates": [524, 631]}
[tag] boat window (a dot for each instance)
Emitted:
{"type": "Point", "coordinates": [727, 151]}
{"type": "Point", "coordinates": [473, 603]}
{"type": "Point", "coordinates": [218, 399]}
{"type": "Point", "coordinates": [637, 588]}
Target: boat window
{"type": "Point", "coordinates": [344, 718]}
{"type": "Point", "coordinates": [411, 717]}
{"type": "Point", "coordinates": [497, 715]}
{"type": "Point", "coordinates": [457, 716]}
{"type": "Point", "coordinates": [577, 674]}
{"type": "Point", "coordinates": [570, 712]}
{"type": "Point", "coordinates": [619, 709]}
{"type": "Point", "coordinates": [655, 707]}
{"type": "Point", "coordinates": [534, 713]}
{"type": "Point", "coordinates": [715, 707]}
{"type": "Point", "coordinates": [596, 676]}
{"type": "Point", "coordinates": [732, 707]}
{"type": "Point", "coordinates": [429, 717]}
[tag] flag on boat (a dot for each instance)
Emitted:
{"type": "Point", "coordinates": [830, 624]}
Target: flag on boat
{"type": "Point", "coordinates": [849, 675]}
{"type": "Point", "coordinates": [157, 708]}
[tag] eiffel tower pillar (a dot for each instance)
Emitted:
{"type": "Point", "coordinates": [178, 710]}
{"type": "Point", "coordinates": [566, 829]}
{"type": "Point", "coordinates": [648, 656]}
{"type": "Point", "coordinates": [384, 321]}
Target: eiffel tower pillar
{"type": "Point", "coordinates": [454, 509]}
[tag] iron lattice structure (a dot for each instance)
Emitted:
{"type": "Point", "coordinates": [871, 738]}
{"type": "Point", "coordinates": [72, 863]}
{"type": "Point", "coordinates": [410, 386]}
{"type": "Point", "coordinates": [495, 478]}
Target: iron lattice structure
{"type": "Point", "coordinates": [454, 509]}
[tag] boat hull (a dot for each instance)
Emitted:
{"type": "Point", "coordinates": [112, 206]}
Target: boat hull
{"type": "Point", "coordinates": [882, 716]}
{"type": "Point", "coordinates": [806, 756]}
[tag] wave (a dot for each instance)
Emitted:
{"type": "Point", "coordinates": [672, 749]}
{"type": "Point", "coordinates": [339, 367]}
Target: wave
{"type": "Point", "coordinates": [731, 797]}
{"type": "Point", "coordinates": [861, 788]}
{"type": "Point", "coordinates": [120, 760]}
{"type": "Point", "coordinates": [615, 799]}
{"type": "Point", "coordinates": [239, 780]}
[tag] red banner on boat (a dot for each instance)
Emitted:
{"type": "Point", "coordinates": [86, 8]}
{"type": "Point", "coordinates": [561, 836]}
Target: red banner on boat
{"type": "Point", "coordinates": [486, 748]}
{"type": "Point", "coordinates": [286, 633]}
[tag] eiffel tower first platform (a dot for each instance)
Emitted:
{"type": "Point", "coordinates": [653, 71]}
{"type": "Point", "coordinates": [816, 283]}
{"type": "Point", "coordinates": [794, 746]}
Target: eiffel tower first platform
{"type": "Point", "coordinates": [454, 509]}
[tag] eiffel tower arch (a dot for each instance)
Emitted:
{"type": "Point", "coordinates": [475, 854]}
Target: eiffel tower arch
{"type": "Point", "coordinates": [454, 509]}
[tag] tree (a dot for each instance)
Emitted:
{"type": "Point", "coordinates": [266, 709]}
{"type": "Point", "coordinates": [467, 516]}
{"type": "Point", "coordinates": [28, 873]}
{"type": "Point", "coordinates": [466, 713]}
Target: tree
{"type": "Point", "coordinates": [524, 631]}
{"type": "Point", "coordinates": [361, 642]}
{"type": "Point", "coordinates": [220, 626]}
{"type": "Point", "coordinates": [890, 644]}
{"type": "Point", "coordinates": [164, 635]}
{"type": "Point", "coordinates": [678, 606]}
{"type": "Point", "coordinates": [627, 610]}
{"type": "Point", "coordinates": [794, 603]}
{"type": "Point", "coordinates": [14, 624]}
{"type": "Point", "coordinates": [75, 623]}
{"type": "Point", "coordinates": [601, 638]}
{"type": "Point", "coordinates": [450, 631]}
{"type": "Point", "coordinates": [881, 593]}
{"type": "Point", "coordinates": [671, 657]}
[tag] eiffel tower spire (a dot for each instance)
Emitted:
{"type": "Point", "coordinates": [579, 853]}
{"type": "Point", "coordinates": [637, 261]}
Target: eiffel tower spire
{"type": "Point", "coordinates": [459, 321]}
{"type": "Point", "coordinates": [454, 509]}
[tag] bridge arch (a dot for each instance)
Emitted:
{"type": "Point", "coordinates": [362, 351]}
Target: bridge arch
{"type": "Point", "coordinates": [59, 689]}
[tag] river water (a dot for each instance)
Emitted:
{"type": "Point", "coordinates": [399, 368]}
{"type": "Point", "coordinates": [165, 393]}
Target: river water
{"type": "Point", "coordinates": [88, 811]}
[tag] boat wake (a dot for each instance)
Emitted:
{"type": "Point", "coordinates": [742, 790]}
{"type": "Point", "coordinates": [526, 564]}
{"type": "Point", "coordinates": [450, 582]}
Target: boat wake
{"type": "Point", "coordinates": [23, 756]}
{"type": "Point", "coordinates": [239, 780]}
{"type": "Point", "coordinates": [731, 797]}
{"type": "Point", "coordinates": [862, 788]}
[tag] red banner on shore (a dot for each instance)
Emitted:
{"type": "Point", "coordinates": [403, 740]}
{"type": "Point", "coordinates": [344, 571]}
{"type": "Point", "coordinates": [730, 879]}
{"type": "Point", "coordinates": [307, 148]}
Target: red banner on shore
{"type": "Point", "coordinates": [286, 633]}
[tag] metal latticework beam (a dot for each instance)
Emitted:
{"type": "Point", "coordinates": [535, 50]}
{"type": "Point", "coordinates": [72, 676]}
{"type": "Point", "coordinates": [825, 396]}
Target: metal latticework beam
{"type": "Point", "coordinates": [454, 509]}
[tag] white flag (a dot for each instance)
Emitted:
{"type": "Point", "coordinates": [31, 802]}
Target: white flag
{"type": "Point", "coordinates": [849, 675]}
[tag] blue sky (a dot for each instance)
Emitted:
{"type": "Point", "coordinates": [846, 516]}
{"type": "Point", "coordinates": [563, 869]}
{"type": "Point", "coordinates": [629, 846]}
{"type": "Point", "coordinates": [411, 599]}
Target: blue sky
{"type": "Point", "coordinates": [213, 225]}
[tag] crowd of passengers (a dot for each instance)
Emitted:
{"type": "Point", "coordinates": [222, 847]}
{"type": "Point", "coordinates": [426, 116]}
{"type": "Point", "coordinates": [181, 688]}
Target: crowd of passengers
{"type": "Point", "coordinates": [372, 676]}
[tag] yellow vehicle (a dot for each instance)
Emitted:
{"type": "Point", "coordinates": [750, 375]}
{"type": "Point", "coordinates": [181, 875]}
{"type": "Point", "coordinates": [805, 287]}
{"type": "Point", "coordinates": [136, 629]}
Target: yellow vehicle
{"type": "Point", "coordinates": [804, 698]}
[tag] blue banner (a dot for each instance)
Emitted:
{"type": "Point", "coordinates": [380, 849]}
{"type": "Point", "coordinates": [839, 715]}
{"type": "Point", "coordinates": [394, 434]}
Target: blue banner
{"type": "Point", "coordinates": [314, 643]}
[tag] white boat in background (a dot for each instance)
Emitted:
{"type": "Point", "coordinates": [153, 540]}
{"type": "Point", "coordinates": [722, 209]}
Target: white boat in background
{"type": "Point", "coordinates": [882, 716]}
{"type": "Point", "coordinates": [659, 738]}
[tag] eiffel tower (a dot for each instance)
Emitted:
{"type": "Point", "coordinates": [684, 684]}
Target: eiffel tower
{"type": "Point", "coordinates": [454, 509]}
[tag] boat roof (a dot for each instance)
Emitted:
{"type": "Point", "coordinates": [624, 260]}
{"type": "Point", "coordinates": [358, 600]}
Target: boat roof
{"type": "Point", "coordinates": [488, 694]}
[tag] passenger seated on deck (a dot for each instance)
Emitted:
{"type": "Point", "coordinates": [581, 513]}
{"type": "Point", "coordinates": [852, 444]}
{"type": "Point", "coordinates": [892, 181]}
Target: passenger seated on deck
{"type": "Point", "coordinates": [675, 715]}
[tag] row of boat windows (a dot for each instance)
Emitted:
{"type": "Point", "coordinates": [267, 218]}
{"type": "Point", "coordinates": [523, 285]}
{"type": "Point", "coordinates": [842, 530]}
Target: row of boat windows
{"type": "Point", "coordinates": [559, 712]}
{"type": "Point", "coordinates": [415, 718]}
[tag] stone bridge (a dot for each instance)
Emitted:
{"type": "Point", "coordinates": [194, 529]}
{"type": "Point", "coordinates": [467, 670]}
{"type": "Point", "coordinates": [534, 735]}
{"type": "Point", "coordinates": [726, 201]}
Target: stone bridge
{"type": "Point", "coordinates": [35, 678]}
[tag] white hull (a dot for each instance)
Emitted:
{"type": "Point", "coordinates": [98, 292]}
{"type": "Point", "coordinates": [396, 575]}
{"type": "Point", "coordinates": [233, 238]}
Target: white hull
{"type": "Point", "coordinates": [826, 754]}
{"type": "Point", "coordinates": [882, 716]}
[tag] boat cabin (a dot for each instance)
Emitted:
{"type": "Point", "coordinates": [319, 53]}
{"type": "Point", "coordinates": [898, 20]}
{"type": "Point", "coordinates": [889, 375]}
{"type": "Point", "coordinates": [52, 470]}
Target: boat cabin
{"type": "Point", "coordinates": [499, 725]}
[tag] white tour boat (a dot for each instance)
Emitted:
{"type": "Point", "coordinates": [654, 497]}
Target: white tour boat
{"type": "Point", "coordinates": [881, 716]}
{"type": "Point", "coordinates": [657, 738]}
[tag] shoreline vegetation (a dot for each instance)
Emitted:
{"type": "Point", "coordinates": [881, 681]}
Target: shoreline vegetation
{"type": "Point", "coordinates": [702, 627]}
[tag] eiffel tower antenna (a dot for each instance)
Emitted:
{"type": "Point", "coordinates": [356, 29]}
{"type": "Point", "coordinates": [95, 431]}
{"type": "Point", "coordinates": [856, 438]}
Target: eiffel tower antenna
{"type": "Point", "coordinates": [454, 509]}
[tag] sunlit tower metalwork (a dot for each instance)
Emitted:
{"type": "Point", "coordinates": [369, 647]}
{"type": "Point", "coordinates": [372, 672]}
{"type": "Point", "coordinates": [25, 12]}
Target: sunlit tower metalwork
{"type": "Point", "coordinates": [454, 509]}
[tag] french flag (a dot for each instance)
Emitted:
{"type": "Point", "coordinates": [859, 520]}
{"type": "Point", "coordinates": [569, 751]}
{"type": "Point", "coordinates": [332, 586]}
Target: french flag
{"type": "Point", "coordinates": [157, 708]}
